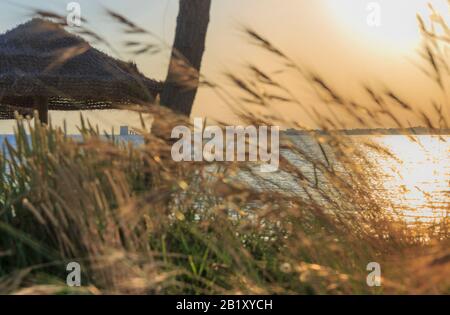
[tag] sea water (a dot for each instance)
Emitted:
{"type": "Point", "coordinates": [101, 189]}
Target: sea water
{"type": "Point", "coordinates": [414, 177]}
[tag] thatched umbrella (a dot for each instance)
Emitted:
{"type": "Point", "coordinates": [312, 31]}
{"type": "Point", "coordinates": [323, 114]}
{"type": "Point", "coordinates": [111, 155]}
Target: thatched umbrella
{"type": "Point", "coordinates": [44, 67]}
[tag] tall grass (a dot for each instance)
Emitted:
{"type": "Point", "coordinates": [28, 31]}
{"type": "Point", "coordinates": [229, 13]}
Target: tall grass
{"type": "Point", "coordinates": [137, 222]}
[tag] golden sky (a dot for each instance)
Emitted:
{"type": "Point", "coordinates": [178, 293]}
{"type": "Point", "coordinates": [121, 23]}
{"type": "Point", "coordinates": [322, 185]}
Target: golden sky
{"type": "Point", "coordinates": [331, 37]}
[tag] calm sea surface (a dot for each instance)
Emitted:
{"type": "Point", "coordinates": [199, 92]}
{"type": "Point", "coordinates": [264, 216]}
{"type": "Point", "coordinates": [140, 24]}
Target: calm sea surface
{"type": "Point", "coordinates": [412, 174]}
{"type": "Point", "coordinates": [409, 175]}
{"type": "Point", "coordinates": [414, 177]}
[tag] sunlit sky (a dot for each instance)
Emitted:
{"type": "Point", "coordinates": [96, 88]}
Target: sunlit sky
{"type": "Point", "coordinates": [332, 37]}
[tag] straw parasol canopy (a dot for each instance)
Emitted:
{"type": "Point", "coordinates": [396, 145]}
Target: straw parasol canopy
{"type": "Point", "coordinates": [43, 67]}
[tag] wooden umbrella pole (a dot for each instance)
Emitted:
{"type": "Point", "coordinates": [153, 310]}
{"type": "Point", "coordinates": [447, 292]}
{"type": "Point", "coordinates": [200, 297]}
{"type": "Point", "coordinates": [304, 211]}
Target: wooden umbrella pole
{"type": "Point", "coordinates": [41, 104]}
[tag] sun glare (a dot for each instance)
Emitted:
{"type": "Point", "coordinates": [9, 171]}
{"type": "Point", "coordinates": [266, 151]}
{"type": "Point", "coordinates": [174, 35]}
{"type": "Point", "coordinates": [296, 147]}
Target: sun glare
{"type": "Point", "coordinates": [419, 179]}
{"type": "Point", "coordinates": [391, 24]}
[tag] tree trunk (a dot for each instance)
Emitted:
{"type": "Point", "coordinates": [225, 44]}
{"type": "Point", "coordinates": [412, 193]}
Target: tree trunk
{"type": "Point", "coordinates": [41, 105]}
{"type": "Point", "coordinates": [182, 81]}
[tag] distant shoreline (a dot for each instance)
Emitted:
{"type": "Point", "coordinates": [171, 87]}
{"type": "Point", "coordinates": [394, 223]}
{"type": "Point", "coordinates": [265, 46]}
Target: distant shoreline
{"type": "Point", "coordinates": [416, 131]}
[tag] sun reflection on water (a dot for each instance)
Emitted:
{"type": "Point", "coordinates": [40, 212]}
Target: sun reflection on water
{"type": "Point", "coordinates": [417, 181]}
